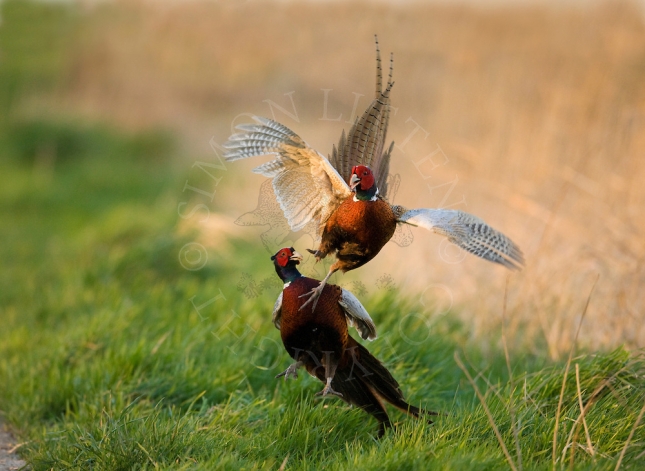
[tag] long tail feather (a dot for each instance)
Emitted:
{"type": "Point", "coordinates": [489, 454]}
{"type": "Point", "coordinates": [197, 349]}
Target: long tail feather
{"type": "Point", "coordinates": [366, 383]}
{"type": "Point", "coordinates": [364, 144]}
{"type": "Point", "coordinates": [377, 377]}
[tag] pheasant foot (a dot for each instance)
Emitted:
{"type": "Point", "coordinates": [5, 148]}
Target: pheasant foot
{"type": "Point", "coordinates": [328, 390]}
{"type": "Point", "coordinates": [314, 294]}
{"type": "Point", "coordinates": [291, 371]}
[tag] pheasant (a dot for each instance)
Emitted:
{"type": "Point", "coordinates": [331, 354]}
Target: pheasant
{"type": "Point", "coordinates": [321, 343]}
{"type": "Point", "coordinates": [346, 195]}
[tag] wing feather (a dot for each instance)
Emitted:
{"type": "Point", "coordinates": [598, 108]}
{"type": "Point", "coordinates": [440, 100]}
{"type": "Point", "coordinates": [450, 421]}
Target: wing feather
{"type": "Point", "coordinates": [357, 315]}
{"type": "Point", "coordinates": [276, 318]}
{"type": "Point", "coordinates": [468, 232]}
{"type": "Point", "coordinates": [306, 185]}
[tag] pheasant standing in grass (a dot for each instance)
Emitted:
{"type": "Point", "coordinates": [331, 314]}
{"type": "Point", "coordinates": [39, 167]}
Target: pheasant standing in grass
{"type": "Point", "coordinates": [321, 343]}
{"type": "Point", "coordinates": [346, 195]}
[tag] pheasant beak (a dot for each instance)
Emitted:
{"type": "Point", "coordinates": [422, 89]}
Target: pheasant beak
{"type": "Point", "coordinates": [296, 257]}
{"type": "Point", "coordinates": [354, 181]}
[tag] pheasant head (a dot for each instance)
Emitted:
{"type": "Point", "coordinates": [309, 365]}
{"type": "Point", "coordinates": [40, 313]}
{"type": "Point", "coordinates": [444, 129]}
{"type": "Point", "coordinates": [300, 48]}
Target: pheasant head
{"type": "Point", "coordinates": [363, 183]}
{"type": "Point", "coordinates": [285, 261]}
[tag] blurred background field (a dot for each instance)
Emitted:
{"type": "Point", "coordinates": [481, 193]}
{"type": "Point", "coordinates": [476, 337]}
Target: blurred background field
{"type": "Point", "coordinates": [539, 111]}
{"type": "Point", "coordinates": [533, 117]}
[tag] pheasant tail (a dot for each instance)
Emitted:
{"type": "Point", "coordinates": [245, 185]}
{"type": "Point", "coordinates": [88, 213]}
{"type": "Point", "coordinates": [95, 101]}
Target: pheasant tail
{"type": "Point", "coordinates": [366, 383]}
{"type": "Point", "coordinates": [364, 144]}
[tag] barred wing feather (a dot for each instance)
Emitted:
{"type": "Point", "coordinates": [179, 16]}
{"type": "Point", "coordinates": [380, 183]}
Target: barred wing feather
{"type": "Point", "coordinates": [306, 185]}
{"type": "Point", "coordinates": [468, 232]}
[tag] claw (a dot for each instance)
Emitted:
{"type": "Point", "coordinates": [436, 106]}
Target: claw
{"type": "Point", "coordinates": [291, 371]}
{"type": "Point", "coordinates": [316, 253]}
{"type": "Point", "coordinates": [314, 294]}
{"type": "Point", "coordinates": [328, 390]}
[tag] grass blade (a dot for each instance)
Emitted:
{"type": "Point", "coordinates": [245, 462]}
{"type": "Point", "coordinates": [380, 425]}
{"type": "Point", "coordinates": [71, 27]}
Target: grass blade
{"type": "Point", "coordinates": [566, 373]}
{"type": "Point", "coordinates": [482, 400]}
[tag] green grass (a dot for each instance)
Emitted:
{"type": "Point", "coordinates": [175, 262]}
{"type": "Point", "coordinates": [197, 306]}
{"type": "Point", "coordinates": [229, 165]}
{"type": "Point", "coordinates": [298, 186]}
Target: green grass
{"type": "Point", "coordinates": [36, 41]}
{"type": "Point", "coordinates": [106, 364]}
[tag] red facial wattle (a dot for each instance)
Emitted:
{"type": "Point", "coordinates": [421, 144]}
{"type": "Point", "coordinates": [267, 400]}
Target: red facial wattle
{"type": "Point", "coordinates": [365, 175]}
{"type": "Point", "coordinates": [286, 255]}
{"type": "Point", "coordinates": [283, 257]}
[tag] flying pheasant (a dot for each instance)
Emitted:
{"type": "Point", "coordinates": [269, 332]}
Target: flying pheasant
{"type": "Point", "coordinates": [347, 195]}
{"type": "Point", "coordinates": [321, 343]}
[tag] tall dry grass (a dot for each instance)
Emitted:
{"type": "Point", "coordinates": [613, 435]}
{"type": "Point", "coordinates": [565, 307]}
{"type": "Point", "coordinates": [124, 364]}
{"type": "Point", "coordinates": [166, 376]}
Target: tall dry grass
{"type": "Point", "coordinates": [539, 111]}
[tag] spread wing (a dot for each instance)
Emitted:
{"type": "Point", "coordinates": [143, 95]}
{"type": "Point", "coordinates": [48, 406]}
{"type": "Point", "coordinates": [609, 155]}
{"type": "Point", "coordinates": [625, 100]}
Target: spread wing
{"type": "Point", "coordinates": [306, 185]}
{"type": "Point", "coordinates": [364, 145]}
{"type": "Point", "coordinates": [468, 232]}
{"type": "Point", "coordinates": [357, 316]}
{"type": "Point", "coordinates": [277, 312]}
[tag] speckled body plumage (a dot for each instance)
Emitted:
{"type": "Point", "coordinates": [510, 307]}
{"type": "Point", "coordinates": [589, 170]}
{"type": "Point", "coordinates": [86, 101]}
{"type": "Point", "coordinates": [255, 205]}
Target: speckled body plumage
{"type": "Point", "coordinates": [357, 231]}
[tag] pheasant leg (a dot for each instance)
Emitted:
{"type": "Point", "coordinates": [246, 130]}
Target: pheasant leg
{"type": "Point", "coordinates": [291, 371]}
{"type": "Point", "coordinates": [328, 390]}
{"type": "Point", "coordinates": [330, 370]}
{"type": "Point", "coordinates": [315, 293]}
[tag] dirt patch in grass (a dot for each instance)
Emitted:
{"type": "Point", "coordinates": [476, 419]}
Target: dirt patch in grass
{"type": "Point", "coordinates": [9, 460]}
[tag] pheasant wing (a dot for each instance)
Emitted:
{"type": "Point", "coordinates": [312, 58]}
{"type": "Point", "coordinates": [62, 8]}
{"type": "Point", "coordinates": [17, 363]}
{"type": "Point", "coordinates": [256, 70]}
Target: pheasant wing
{"type": "Point", "coordinates": [356, 315]}
{"type": "Point", "coordinates": [306, 185]}
{"type": "Point", "coordinates": [276, 318]}
{"type": "Point", "coordinates": [468, 232]}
